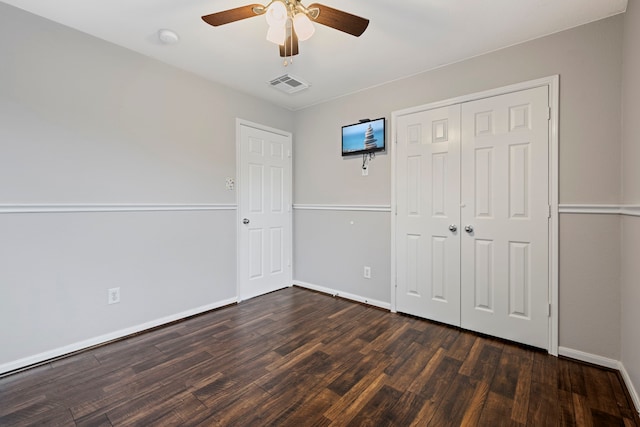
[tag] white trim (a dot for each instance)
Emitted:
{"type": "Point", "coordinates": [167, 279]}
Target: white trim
{"type": "Point", "coordinates": [632, 391]}
{"type": "Point", "coordinates": [545, 81]}
{"type": "Point", "coordinates": [588, 357]}
{"type": "Point", "coordinates": [259, 126]}
{"type": "Point", "coordinates": [393, 139]}
{"type": "Point", "coordinates": [335, 293]}
{"type": "Point", "coordinates": [108, 207]}
{"type": "Point", "coordinates": [554, 200]}
{"type": "Point", "coordinates": [629, 210]}
{"type": "Point", "coordinates": [91, 342]}
{"type": "Point", "coordinates": [240, 188]}
{"type": "Point", "coordinates": [367, 208]}
{"type": "Point", "coordinates": [552, 82]}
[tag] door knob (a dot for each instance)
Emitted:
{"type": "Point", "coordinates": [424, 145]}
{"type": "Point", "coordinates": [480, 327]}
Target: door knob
{"type": "Point", "coordinates": [453, 228]}
{"type": "Point", "coordinates": [245, 221]}
{"type": "Point", "coordinates": [468, 228]}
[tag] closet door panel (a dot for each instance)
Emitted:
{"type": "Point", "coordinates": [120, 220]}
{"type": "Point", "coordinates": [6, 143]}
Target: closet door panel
{"type": "Point", "coordinates": [428, 204]}
{"type": "Point", "coordinates": [504, 212]}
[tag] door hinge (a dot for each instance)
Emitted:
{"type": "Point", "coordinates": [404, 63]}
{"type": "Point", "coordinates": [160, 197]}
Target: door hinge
{"type": "Point", "coordinates": [549, 310]}
{"type": "Point", "coordinates": [548, 113]}
{"type": "Point", "coordinates": [549, 212]}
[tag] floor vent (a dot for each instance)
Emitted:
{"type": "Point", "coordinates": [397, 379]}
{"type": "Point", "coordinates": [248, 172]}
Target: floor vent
{"type": "Point", "coordinates": [288, 83]}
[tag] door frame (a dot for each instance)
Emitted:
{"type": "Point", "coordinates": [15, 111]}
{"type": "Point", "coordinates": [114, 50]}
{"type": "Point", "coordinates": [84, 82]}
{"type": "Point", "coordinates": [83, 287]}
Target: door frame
{"type": "Point", "coordinates": [552, 82]}
{"type": "Point", "coordinates": [239, 186]}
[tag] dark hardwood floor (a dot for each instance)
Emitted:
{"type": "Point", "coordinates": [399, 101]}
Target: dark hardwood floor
{"type": "Point", "coordinates": [299, 358]}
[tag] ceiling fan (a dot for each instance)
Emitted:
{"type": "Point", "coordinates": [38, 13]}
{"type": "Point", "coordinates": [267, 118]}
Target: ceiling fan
{"type": "Point", "coordinates": [290, 21]}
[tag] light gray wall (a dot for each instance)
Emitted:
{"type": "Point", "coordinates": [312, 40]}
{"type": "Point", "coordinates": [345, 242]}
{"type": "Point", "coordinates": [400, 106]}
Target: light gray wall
{"type": "Point", "coordinates": [588, 60]}
{"type": "Point", "coordinates": [589, 317]}
{"type": "Point", "coordinates": [363, 238]}
{"type": "Point", "coordinates": [631, 194]}
{"type": "Point", "coordinates": [85, 122]}
{"type": "Point", "coordinates": [631, 105]}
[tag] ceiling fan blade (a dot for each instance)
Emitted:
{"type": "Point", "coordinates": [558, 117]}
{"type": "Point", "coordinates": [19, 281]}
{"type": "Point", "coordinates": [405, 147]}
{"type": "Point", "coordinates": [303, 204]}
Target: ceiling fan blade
{"type": "Point", "coordinates": [290, 46]}
{"type": "Point", "coordinates": [339, 20]}
{"type": "Point", "coordinates": [232, 15]}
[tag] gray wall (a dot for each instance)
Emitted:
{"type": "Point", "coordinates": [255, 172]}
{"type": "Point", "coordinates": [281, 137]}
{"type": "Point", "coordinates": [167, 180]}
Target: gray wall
{"type": "Point", "coordinates": [588, 60]}
{"type": "Point", "coordinates": [87, 123]}
{"type": "Point", "coordinates": [631, 194]}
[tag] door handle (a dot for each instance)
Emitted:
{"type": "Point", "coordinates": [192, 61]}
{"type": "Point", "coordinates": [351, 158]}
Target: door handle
{"type": "Point", "coordinates": [468, 228]}
{"type": "Point", "coordinates": [453, 228]}
{"type": "Point", "coordinates": [245, 221]}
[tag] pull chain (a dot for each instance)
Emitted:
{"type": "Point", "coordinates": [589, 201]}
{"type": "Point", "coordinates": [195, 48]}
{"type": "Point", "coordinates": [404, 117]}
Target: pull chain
{"type": "Point", "coordinates": [290, 33]}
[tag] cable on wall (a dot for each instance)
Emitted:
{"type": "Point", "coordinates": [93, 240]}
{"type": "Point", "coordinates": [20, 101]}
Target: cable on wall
{"type": "Point", "coordinates": [366, 158]}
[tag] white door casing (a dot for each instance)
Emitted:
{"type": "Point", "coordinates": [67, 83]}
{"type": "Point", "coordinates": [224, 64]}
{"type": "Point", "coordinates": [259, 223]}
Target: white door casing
{"type": "Point", "coordinates": [528, 294]}
{"type": "Point", "coordinates": [505, 262]}
{"type": "Point", "coordinates": [428, 244]}
{"type": "Point", "coordinates": [264, 209]}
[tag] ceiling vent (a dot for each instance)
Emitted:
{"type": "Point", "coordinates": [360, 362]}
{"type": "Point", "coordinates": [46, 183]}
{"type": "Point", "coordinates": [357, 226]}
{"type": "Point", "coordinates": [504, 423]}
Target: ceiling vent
{"type": "Point", "coordinates": [288, 83]}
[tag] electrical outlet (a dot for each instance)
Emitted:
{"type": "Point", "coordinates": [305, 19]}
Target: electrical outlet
{"type": "Point", "coordinates": [367, 272]}
{"type": "Point", "coordinates": [113, 295]}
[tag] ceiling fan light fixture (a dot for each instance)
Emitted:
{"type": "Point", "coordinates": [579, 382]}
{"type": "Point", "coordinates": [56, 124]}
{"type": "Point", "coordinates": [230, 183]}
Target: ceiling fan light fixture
{"type": "Point", "coordinates": [277, 14]}
{"type": "Point", "coordinates": [303, 26]}
{"type": "Point", "coordinates": [277, 35]}
{"type": "Point", "coordinates": [280, 15]}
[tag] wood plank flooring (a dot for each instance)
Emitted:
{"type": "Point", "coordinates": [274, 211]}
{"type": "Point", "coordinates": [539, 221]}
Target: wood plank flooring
{"type": "Point", "coordinates": [299, 358]}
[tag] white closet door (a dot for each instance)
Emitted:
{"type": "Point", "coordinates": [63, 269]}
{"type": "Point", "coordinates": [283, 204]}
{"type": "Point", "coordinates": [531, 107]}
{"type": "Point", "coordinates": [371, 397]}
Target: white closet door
{"type": "Point", "coordinates": [428, 203]}
{"type": "Point", "coordinates": [505, 269]}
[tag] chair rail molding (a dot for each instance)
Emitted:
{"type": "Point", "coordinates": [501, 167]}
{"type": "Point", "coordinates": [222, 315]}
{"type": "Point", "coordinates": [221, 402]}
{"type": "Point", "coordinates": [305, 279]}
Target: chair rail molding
{"type": "Point", "coordinates": [330, 207]}
{"type": "Point", "coordinates": [601, 209]}
{"type": "Point", "coordinates": [110, 207]}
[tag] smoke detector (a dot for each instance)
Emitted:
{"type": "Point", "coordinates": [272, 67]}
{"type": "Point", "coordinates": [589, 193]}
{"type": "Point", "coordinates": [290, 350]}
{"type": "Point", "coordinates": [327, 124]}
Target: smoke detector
{"type": "Point", "coordinates": [288, 83]}
{"type": "Point", "coordinates": [168, 36]}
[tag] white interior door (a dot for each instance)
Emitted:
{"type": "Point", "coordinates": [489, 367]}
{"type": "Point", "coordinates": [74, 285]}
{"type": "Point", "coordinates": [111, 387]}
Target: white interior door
{"type": "Point", "coordinates": [428, 210]}
{"type": "Point", "coordinates": [505, 184]}
{"type": "Point", "coordinates": [264, 210]}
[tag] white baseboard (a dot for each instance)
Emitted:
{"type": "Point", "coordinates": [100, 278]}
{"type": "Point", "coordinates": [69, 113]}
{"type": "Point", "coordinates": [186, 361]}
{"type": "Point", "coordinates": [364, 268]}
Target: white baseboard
{"type": "Point", "coordinates": [71, 348]}
{"type": "Point", "coordinates": [607, 363]}
{"type": "Point", "coordinates": [335, 293]}
{"type": "Point", "coordinates": [588, 357]}
{"type": "Point", "coordinates": [632, 390]}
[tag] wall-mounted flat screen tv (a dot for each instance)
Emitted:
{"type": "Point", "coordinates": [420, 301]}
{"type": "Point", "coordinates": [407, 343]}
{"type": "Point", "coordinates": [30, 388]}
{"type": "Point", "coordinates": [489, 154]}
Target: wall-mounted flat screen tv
{"type": "Point", "coordinates": [364, 137]}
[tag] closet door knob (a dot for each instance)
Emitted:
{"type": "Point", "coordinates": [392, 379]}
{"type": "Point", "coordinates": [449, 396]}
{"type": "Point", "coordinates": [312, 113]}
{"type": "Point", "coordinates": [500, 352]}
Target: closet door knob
{"type": "Point", "coordinates": [245, 221]}
{"type": "Point", "coordinates": [453, 228]}
{"type": "Point", "coordinates": [468, 228]}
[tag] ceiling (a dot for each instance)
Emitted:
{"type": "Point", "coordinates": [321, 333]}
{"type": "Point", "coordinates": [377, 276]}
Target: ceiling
{"type": "Point", "coordinates": [404, 37]}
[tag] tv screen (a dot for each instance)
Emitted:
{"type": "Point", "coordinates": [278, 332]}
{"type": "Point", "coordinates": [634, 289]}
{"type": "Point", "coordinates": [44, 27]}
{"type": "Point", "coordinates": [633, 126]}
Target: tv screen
{"type": "Point", "coordinates": [363, 137]}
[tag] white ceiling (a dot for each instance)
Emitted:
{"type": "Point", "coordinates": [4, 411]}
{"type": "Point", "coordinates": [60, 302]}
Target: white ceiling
{"type": "Point", "coordinates": [404, 37]}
